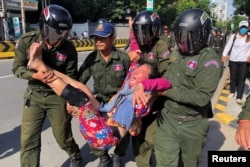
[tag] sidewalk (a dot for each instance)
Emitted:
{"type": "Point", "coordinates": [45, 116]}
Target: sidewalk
{"type": "Point", "coordinates": [226, 110]}
{"type": "Point", "coordinates": [222, 128]}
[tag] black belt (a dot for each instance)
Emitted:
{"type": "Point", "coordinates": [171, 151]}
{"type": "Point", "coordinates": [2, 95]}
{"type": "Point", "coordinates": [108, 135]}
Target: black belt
{"type": "Point", "coordinates": [45, 93]}
{"type": "Point", "coordinates": [184, 119]}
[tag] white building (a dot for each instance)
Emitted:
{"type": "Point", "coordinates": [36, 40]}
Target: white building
{"type": "Point", "coordinates": [221, 9]}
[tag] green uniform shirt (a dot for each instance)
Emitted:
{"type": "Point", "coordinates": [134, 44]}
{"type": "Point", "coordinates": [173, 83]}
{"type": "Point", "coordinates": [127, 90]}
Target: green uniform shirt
{"type": "Point", "coordinates": [245, 113]}
{"type": "Point", "coordinates": [217, 41]}
{"type": "Point", "coordinates": [194, 80]}
{"type": "Point", "coordinates": [169, 39]}
{"type": "Point", "coordinates": [157, 55]}
{"type": "Point", "coordinates": [63, 58]}
{"type": "Point", "coordinates": [108, 76]}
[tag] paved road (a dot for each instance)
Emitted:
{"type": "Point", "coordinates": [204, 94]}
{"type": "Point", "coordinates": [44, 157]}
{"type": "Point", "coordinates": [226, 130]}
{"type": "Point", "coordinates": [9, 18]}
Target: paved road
{"type": "Point", "coordinates": [220, 135]}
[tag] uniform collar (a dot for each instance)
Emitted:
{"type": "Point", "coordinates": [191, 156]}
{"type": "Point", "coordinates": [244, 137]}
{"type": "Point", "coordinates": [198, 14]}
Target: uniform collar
{"type": "Point", "coordinates": [112, 54]}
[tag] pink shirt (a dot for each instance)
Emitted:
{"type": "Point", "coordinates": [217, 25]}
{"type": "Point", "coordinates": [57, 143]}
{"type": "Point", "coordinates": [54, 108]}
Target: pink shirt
{"type": "Point", "coordinates": [133, 44]}
{"type": "Point", "coordinates": [157, 84]}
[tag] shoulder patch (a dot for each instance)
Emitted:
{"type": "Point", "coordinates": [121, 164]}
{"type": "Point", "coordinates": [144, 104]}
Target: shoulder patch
{"type": "Point", "coordinates": [212, 62]}
{"type": "Point", "coordinates": [151, 55]}
{"type": "Point", "coordinates": [166, 54]}
{"type": "Point", "coordinates": [210, 58]}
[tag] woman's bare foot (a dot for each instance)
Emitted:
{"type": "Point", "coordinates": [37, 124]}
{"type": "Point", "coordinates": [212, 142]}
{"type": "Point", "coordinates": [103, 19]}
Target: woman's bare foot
{"type": "Point", "coordinates": [35, 59]}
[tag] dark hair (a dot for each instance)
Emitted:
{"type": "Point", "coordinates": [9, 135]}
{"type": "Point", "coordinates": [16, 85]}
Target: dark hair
{"type": "Point", "coordinates": [154, 70]}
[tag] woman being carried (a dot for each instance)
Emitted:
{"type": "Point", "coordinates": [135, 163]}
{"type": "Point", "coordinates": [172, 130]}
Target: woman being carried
{"type": "Point", "coordinates": [92, 125]}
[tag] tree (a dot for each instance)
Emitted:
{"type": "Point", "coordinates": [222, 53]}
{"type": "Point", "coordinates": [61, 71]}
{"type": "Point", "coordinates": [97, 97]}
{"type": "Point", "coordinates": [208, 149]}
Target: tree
{"type": "Point", "coordinates": [174, 8]}
{"type": "Point", "coordinates": [242, 7]}
{"type": "Point", "coordinates": [235, 21]}
{"type": "Point", "coordinates": [117, 10]}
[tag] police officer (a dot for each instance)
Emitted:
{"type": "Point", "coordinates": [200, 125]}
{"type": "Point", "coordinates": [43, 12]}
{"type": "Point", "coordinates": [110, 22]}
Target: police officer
{"type": "Point", "coordinates": [217, 42]}
{"type": "Point", "coordinates": [55, 24]}
{"type": "Point", "coordinates": [168, 37]}
{"type": "Point", "coordinates": [194, 71]}
{"type": "Point", "coordinates": [242, 135]}
{"type": "Point", "coordinates": [147, 31]}
{"type": "Point", "coordinates": [108, 66]}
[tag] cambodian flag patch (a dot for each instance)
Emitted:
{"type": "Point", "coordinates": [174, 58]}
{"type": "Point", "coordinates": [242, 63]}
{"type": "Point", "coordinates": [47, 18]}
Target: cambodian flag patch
{"type": "Point", "coordinates": [118, 67]}
{"type": "Point", "coordinates": [192, 64]}
{"type": "Point", "coordinates": [151, 56]}
{"type": "Point", "coordinates": [60, 57]}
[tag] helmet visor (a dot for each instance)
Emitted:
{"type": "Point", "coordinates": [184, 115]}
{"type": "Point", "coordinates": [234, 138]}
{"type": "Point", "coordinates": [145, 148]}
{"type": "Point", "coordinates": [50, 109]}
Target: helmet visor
{"type": "Point", "coordinates": [54, 36]}
{"type": "Point", "coordinates": [188, 41]}
{"type": "Point", "coordinates": [143, 34]}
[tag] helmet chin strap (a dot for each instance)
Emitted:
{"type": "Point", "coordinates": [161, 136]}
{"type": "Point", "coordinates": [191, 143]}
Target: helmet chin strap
{"type": "Point", "coordinates": [55, 45]}
{"type": "Point", "coordinates": [49, 46]}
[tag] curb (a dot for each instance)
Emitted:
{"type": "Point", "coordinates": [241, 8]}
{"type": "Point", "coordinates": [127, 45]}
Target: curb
{"type": "Point", "coordinates": [7, 48]}
{"type": "Point", "coordinates": [220, 107]}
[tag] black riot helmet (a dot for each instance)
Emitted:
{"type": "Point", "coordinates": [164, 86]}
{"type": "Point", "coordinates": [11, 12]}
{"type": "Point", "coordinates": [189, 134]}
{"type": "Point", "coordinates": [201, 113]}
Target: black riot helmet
{"type": "Point", "coordinates": [147, 28]}
{"type": "Point", "coordinates": [55, 24]}
{"type": "Point", "coordinates": [192, 29]}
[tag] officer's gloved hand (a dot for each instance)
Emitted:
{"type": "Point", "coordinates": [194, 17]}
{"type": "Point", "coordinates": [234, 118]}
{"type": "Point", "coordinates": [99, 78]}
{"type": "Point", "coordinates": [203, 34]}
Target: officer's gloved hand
{"type": "Point", "coordinates": [74, 96]}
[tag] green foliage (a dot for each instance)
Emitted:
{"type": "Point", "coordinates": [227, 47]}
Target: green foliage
{"type": "Point", "coordinates": [118, 10]}
{"type": "Point", "coordinates": [242, 7]}
{"type": "Point", "coordinates": [184, 5]}
{"type": "Point", "coordinates": [242, 10]}
{"type": "Point", "coordinates": [205, 5]}
{"type": "Point", "coordinates": [170, 9]}
{"type": "Point", "coordinates": [236, 20]}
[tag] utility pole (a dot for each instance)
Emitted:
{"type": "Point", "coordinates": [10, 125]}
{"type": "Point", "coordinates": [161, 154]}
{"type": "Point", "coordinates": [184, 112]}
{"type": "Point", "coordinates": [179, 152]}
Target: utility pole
{"type": "Point", "coordinates": [44, 3]}
{"type": "Point", "coordinates": [5, 25]}
{"type": "Point", "coordinates": [23, 16]}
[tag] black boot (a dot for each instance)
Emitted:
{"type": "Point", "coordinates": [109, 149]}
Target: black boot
{"type": "Point", "coordinates": [105, 161]}
{"type": "Point", "coordinates": [116, 160]}
{"type": "Point", "coordinates": [76, 162]}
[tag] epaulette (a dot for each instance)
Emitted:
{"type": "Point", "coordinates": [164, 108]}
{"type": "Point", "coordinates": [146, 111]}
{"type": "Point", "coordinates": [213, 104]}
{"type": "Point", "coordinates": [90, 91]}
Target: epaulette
{"type": "Point", "coordinates": [92, 56]}
{"type": "Point", "coordinates": [29, 34]}
{"type": "Point", "coordinates": [208, 51]}
{"type": "Point", "coordinates": [121, 51]}
{"type": "Point", "coordinates": [205, 51]}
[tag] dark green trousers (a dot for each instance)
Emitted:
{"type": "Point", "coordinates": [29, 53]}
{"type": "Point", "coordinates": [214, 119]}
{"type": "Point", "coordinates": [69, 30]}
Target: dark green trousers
{"type": "Point", "coordinates": [120, 149]}
{"type": "Point", "coordinates": [175, 140]}
{"type": "Point", "coordinates": [146, 148]}
{"type": "Point", "coordinates": [143, 145]}
{"type": "Point", "coordinates": [42, 105]}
